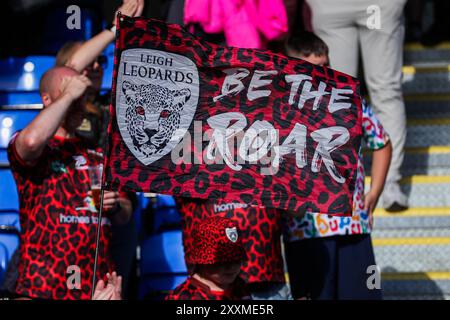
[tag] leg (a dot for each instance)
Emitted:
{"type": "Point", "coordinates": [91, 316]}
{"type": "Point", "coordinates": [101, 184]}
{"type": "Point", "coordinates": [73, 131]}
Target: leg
{"type": "Point", "coordinates": [355, 255]}
{"type": "Point", "coordinates": [382, 55]}
{"type": "Point", "coordinates": [312, 268]}
{"type": "Point", "coordinates": [337, 28]}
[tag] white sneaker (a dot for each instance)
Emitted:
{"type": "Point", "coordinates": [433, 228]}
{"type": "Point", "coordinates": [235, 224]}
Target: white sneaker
{"type": "Point", "coordinates": [393, 197]}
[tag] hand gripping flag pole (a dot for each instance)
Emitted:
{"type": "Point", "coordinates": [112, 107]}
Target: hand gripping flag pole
{"type": "Point", "coordinates": [97, 240]}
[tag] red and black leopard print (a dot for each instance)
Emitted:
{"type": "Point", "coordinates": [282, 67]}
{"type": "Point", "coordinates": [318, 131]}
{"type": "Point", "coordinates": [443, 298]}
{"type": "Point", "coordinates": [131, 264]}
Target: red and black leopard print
{"type": "Point", "coordinates": [58, 221]}
{"type": "Point", "coordinates": [217, 240]}
{"type": "Point", "coordinates": [314, 190]}
{"type": "Point", "coordinates": [259, 229]}
{"type": "Point", "coordinates": [193, 289]}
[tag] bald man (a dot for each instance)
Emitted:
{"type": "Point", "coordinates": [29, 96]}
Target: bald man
{"type": "Point", "coordinates": [57, 214]}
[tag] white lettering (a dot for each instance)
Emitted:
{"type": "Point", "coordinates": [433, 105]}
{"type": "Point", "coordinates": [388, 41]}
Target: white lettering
{"type": "Point", "coordinates": [232, 84]}
{"type": "Point", "coordinates": [327, 143]}
{"type": "Point", "coordinates": [335, 96]}
{"type": "Point", "coordinates": [258, 82]}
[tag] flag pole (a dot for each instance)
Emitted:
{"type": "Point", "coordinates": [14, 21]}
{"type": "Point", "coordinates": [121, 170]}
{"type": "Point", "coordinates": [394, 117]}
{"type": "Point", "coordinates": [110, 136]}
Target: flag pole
{"type": "Point", "coordinates": [97, 241]}
{"type": "Point", "coordinates": [102, 193]}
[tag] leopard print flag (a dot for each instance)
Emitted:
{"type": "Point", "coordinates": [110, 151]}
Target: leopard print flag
{"type": "Point", "coordinates": [193, 119]}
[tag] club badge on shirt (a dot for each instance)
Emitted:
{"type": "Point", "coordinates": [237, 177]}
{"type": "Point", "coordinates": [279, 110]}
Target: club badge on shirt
{"type": "Point", "coordinates": [232, 234]}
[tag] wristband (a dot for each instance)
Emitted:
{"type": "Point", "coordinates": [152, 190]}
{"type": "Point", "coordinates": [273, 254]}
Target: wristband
{"type": "Point", "coordinates": [111, 27]}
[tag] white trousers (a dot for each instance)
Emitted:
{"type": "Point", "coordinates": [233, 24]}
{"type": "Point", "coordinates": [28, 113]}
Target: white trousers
{"type": "Point", "coordinates": [352, 26]}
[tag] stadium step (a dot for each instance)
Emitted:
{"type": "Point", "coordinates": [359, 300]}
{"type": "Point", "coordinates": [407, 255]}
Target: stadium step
{"type": "Point", "coordinates": [417, 285]}
{"type": "Point", "coordinates": [412, 247]}
{"type": "Point", "coordinates": [414, 218]}
{"type": "Point", "coordinates": [415, 53]}
{"type": "Point", "coordinates": [432, 160]}
{"type": "Point", "coordinates": [426, 78]}
{"type": "Point", "coordinates": [428, 132]}
{"type": "Point", "coordinates": [425, 191]}
{"type": "Point", "coordinates": [427, 106]}
{"type": "Point", "coordinates": [416, 236]}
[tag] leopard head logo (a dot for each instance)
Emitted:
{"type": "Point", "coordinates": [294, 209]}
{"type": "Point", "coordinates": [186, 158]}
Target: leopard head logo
{"type": "Point", "coordinates": [153, 115]}
{"type": "Point", "coordinates": [155, 112]}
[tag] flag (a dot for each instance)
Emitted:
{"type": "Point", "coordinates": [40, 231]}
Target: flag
{"type": "Point", "coordinates": [194, 119]}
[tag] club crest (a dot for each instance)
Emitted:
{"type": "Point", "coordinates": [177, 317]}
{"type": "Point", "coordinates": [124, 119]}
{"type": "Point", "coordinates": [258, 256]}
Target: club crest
{"type": "Point", "coordinates": [232, 234]}
{"type": "Point", "coordinates": [156, 99]}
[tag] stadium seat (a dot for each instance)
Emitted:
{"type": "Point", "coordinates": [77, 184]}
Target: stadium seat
{"type": "Point", "coordinates": [166, 213]}
{"type": "Point", "coordinates": [13, 120]}
{"type": "Point", "coordinates": [165, 201]}
{"type": "Point", "coordinates": [9, 238]}
{"type": "Point", "coordinates": [22, 74]}
{"type": "Point", "coordinates": [10, 219]}
{"type": "Point", "coordinates": [9, 199]}
{"type": "Point", "coordinates": [19, 79]}
{"type": "Point", "coordinates": [3, 261]}
{"type": "Point", "coordinates": [162, 263]}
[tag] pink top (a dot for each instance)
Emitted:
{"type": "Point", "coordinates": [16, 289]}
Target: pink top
{"type": "Point", "coordinates": [245, 23]}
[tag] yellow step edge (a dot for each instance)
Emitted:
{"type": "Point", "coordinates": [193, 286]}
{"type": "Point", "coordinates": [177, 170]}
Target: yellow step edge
{"type": "Point", "coordinates": [420, 179]}
{"type": "Point", "coordinates": [419, 150]}
{"type": "Point", "coordinates": [428, 150]}
{"type": "Point", "coordinates": [416, 46]}
{"type": "Point", "coordinates": [411, 70]}
{"type": "Point", "coordinates": [414, 212]}
{"type": "Point", "coordinates": [429, 122]}
{"type": "Point", "coordinates": [420, 241]}
{"type": "Point", "coordinates": [426, 97]}
{"type": "Point", "coordinates": [408, 70]}
{"type": "Point", "coordinates": [402, 276]}
{"type": "Point", "coordinates": [438, 275]}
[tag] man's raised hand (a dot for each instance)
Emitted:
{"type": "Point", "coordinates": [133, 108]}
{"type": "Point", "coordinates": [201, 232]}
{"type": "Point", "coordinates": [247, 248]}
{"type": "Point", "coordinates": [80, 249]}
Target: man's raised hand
{"type": "Point", "coordinates": [74, 86]}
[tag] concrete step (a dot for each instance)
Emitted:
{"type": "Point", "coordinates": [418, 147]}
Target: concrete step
{"type": "Point", "coordinates": [435, 285]}
{"type": "Point", "coordinates": [432, 160]}
{"type": "Point", "coordinates": [416, 53]}
{"type": "Point", "coordinates": [425, 191]}
{"type": "Point", "coordinates": [406, 254]}
{"type": "Point", "coordinates": [416, 235]}
{"type": "Point", "coordinates": [426, 79]}
{"type": "Point", "coordinates": [413, 218]}
{"type": "Point", "coordinates": [429, 106]}
{"type": "Point", "coordinates": [428, 132]}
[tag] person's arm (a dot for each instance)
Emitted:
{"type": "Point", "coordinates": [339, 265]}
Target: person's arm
{"type": "Point", "coordinates": [122, 206]}
{"type": "Point", "coordinates": [381, 160]}
{"type": "Point", "coordinates": [91, 49]}
{"type": "Point", "coordinates": [31, 141]}
{"type": "Point", "coordinates": [123, 215]}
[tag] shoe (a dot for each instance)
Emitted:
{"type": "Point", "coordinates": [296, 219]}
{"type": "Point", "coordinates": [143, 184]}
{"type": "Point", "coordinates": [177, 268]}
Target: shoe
{"type": "Point", "coordinates": [394, 199]}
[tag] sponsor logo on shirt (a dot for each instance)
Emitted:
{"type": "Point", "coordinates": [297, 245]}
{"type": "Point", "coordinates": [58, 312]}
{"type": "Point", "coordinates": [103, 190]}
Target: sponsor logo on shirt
{"type": "Point", "coordinates": [80, 162]}
{"type": "Point", "coordinates": [228, 206]}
